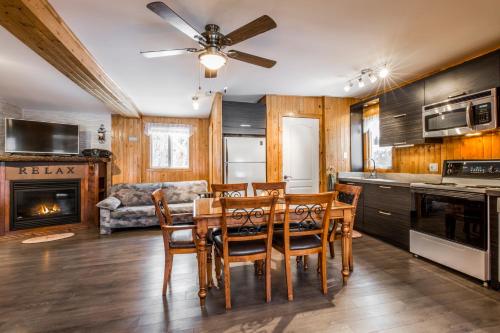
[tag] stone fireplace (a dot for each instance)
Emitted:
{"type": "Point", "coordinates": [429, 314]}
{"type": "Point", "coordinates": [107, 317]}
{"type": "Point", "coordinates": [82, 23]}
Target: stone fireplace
{"type": "Point", "coordinates": [36, 203]}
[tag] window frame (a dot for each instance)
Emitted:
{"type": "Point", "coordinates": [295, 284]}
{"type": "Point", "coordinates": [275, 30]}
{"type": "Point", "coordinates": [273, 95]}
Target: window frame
{"type": "Point", "coordinates": [169, 148]}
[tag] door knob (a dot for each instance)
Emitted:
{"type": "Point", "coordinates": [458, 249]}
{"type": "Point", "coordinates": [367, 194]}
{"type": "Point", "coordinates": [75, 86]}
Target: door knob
{"type": "Point", "coordinates": [285, 177]}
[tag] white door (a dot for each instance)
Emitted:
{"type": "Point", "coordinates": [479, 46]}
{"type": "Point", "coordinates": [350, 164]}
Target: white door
{"type": "Point", "coordinates": [301, 154]}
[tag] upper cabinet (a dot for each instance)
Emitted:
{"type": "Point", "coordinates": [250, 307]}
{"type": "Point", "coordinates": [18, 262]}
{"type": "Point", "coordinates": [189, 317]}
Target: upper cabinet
{"type": "Point", "coordinates": [243, 118]}
{"type": "Point", "coordinates": [401, 115]}
{"type": "Point", "coordinates": [475, 75]}
{"type": "Point", "coordinates": [401, 109]}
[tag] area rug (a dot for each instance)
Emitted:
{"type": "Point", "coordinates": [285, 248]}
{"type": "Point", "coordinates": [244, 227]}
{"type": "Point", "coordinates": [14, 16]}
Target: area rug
{"type": "Point", "coordinates": [356, 234]}
{"type": "Point", "coordinates": [47, 238]}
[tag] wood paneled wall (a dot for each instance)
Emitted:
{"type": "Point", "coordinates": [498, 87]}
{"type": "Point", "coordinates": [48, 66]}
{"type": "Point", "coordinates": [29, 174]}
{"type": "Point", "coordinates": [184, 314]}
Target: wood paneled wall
{"type": "Point", "coordinates": [198, 152]}
{"type": "Point", "coordinates": [333, 114]}
{"type": "Point", "coordinates": [215, 142]}
{"type": "Point", "coordinates": [126, 147]}
{"type": "Point", "coordinates": [416, 159]}
{"type": "Point", "coordinates": [287, 106]}
{"type": "Point", "coordinates": [337, 122]}
{"type": "Point", "coordinates": [130, 147]}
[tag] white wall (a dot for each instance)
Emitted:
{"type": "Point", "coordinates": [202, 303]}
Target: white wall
{"type": "Point", "coordinates": [89, 122]}
{"type": "Point", "coordinates": [7, 111]}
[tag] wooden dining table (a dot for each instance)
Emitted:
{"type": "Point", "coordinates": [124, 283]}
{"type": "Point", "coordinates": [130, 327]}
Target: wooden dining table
{"type": "Point", "coordinates": [207, 214]}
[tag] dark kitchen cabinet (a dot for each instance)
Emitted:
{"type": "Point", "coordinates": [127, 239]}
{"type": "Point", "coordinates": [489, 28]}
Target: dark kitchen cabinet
{"type": "Point", "coordinates": [401, 115]}
{"type": "Point", "coordinates": [472, 76]}
{"type": "Point", "coordinates": [243, 118]}
{"type": "Point", "coordinates": [384, 211]}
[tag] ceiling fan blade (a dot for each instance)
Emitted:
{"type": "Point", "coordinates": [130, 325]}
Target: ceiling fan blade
{"type": "Point", "coordinates": [249, 30]}
{"type": "Point", "coordinates": [167, 53]}
{"type": "Point", "coordinates": [174, 19]}
{"type": "Point", "coordinates": [210, 73]}
{"type": "Point", "coordinates": [250, 58]}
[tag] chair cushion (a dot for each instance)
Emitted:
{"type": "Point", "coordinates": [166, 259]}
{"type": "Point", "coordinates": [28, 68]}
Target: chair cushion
{"type": "Point", "coordinates": [297, 242]}
{"type": "Point", "coordinates": [182, 239]}
{"type": "Point", "coordinates": [243, 248]}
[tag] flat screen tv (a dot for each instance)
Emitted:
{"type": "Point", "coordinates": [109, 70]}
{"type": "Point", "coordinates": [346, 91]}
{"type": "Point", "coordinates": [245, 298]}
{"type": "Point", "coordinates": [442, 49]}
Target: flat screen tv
{"type": "Point", "coordinates": [35, 137]}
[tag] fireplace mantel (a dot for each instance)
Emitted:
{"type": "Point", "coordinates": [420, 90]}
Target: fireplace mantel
{"type": "Point", "coordinates": [51, 158]}
{"type": "Point", "coordinates": [93, 174]}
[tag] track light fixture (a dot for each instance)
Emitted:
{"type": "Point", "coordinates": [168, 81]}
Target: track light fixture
{"type": "Point", "coordinates": [370, 73]}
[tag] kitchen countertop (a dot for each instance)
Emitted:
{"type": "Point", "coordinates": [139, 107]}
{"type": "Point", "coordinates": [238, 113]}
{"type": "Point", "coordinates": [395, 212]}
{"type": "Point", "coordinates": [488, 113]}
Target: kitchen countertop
{"type": "Point", "coordinates": [395, 179]}
{"type": "Point", "coordinates": [378, 181]}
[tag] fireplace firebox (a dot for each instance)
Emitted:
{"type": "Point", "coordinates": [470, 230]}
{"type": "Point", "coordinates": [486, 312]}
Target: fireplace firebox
{"type": "Point", "coordinates": [39, 203]}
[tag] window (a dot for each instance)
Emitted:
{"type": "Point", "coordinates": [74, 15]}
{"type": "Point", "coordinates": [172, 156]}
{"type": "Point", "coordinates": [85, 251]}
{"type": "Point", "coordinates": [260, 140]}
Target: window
{"type": "Point", "coordinates": [169, 145]}
{"type": "Point", "coordinates": [371, 136]}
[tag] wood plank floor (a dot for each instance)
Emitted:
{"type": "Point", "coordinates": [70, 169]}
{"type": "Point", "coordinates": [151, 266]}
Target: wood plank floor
{"type": "Point", "coordinates": [90, 283]}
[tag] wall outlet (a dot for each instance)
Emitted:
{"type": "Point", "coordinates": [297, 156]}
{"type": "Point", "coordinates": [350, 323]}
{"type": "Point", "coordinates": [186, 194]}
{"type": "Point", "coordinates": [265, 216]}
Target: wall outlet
{"type": "Point", "coordinates": [345, 155]}
{"type": "Point", "coordinates": [433, 167]}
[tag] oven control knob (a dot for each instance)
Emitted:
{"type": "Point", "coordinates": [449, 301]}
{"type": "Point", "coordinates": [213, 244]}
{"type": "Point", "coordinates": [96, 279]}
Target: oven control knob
{"type": "Point", "coordinates": [492, 169]}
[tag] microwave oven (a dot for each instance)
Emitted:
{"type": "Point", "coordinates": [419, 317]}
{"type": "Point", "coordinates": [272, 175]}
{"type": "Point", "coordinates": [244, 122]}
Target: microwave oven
{"type": "Point", "coordinates": [461, 115]}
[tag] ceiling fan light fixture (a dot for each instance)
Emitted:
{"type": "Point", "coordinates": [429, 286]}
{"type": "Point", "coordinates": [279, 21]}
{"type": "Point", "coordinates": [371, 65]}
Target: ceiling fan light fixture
{"type": "Point", "coordinates": [213, 60]}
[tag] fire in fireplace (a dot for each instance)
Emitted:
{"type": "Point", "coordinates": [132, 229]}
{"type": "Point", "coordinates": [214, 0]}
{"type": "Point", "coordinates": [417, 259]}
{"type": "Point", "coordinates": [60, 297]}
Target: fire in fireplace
{"type": "Point", "coordinates": [44, 203]}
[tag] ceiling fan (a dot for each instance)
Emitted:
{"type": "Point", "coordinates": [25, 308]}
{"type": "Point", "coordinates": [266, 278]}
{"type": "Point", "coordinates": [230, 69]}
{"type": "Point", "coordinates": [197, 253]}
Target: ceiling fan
{"type": "Point", "coordinates": [212, 42]}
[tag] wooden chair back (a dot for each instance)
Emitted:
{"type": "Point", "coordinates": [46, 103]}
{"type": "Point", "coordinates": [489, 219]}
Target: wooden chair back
{"type": "Point", "coordinates": [253, 218]}
{"type": "Point", "coordinates": [310, 214]}
{"type": "Point", "coordinates": [348, 194]}
{"type": "Point", "coordinates": [274, 189]}
{"type": "Point", "coordinates": [161, 208]}
{"type": "Point", "coordinates": [229, 190]}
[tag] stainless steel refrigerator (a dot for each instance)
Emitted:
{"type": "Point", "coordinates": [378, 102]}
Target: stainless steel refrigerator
{"type": "Point", "coordinates": [244, 160]}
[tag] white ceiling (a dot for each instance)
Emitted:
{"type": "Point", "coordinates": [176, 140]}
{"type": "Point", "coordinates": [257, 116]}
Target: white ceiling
{"type": "Point", "coordinates": [318, 45]}
{"type": "Point", "coordinates": [28, 81]}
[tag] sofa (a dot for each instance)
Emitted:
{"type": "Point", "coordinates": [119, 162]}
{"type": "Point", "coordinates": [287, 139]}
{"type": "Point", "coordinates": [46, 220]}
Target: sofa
{"type": "Point", "coordinates": [130, 205]}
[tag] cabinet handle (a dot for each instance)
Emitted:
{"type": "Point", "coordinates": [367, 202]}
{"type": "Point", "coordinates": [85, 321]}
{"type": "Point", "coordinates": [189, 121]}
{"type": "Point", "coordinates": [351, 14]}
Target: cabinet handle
{"type": "Point", "coordinates": [399, 143]}
{"type": "Point", "coordinates": [399, 116]}
{"type": "Point", "coordinates": [457, 95]}
{"type": "Point", "coordinates": [384, 213]}
{"type": "Point", "coordinates": [350, 183]}
{"type": "Point", "coordinates": [385, 187]}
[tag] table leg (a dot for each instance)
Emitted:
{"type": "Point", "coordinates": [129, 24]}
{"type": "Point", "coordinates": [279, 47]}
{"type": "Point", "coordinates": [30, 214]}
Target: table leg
{"type": "Point", "coordinates": [201, 231]}
{"type": "Point", "coordinates": [346, 245]}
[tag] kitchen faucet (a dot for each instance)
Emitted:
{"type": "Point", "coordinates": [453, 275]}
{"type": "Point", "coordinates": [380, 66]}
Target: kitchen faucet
{"type": "Point", "coordinates": [373, 172]}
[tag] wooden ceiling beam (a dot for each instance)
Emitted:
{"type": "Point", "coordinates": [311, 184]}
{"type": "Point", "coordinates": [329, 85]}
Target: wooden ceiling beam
{"type": "Point", "coordinates": [37, 24]}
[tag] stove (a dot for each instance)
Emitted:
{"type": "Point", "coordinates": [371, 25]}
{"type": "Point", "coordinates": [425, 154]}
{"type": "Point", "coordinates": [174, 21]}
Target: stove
{"type": "Point", "coordinates": [450, 220]}
{"type": "Point", "coordinates": [476, 176]}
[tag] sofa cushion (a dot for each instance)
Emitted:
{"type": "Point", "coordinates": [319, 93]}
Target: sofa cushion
{"type": "Point", "coordinates": [135, 194]}
{"type": "Point", "coordinates": [133, 212]}
{"type": "Point", "coordinates": [110, 203]}
{"type": "Point", "coordinates": [183, 192]}
{"type": "Point", "coordinates": [181, 208]}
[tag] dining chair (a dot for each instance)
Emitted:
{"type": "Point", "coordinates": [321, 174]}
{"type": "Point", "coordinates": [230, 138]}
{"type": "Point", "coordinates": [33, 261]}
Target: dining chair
{"type": "Point", "coordinates": [229, 190]}
{"type": "Point", "coordinates": [277, 189]}
{"type": "Point", "coordinates": [311, 213]}
{"type": "Point", "coordinates": [177, 239]}
{"type": "Point", "coordinates": [347, 194]}
{"type": "Point", "coordinates": [254, 218]}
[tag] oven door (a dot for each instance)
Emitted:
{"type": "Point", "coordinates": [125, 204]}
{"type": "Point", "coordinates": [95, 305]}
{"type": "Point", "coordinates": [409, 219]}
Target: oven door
{"type": "Point", "coordinates": [451, 215]}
